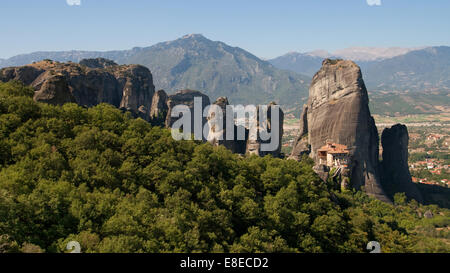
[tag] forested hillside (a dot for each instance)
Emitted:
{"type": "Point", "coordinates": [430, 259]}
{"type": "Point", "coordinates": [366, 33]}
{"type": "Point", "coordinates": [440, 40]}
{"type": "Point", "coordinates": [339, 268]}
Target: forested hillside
{"type": "Point", "coordinates": [116, 184]}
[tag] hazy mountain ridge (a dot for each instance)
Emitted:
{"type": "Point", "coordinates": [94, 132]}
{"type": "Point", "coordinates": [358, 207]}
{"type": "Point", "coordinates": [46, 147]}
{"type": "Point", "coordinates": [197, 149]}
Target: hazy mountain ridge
{"type": "Point", "coordinates": [425, 69]}
{"type": "Point", "coordinates": [364, 54]}
{"type": "Point", "coordinates": [218, 69]}
{"type": "Point", "coordinates": [303, 63]}
{"type": "Point", "coordinates": [119, 56]}
{"type": "Point", "coordinates": [421, 70]}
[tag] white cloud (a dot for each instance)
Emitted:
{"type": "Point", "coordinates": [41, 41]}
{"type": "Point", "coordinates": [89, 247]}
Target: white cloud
{"type": "Point", "coordinates": [73, 2]}
{"type": "Point", "coordinates": [374, 2]}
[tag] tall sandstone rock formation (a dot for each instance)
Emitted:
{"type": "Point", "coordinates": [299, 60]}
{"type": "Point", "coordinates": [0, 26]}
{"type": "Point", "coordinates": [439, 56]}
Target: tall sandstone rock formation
{"type": "Point", "coordinates": [301, 145]}
{"type": "Point", "coordinates": [395, 171]}
{"type": "Point", "coordinates": [187, 97]}
{"type": "Point", "coordinates": [338, 111]}
{"type": "Point", "coordinates": [159, 108]}
{"type": "Point", "coordinates": [55, 90]}
{"type": "Point", "coordinates": [271, 123]}
{"type": "Point", "coordinates": [218, 137]}
{"type": "Point", "coordinates": [89, 83]}
{"type": "Point", "coordinates": [254, 143]}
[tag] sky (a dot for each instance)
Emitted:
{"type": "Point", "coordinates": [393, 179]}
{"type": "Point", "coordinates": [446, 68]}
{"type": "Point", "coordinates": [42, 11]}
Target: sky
{"type": "Point", "coordinates": [265, 28]}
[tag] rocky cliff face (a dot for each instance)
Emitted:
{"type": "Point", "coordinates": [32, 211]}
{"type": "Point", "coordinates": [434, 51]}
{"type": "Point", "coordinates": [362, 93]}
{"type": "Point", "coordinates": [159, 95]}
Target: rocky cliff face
{"type": "Point", "coordinates": [301, 144]}
{"type": "Point", "coordinates": [89, 83]}
{"type": "Point", "coordinates": [159, 108]}
{"type": "Point", "coordinates": [218, 126]}
{"type": "Point", "coordinates": [271, 123]}
{"type": "Point", "coordinates": [254, 145]}
{"type": "Point", "coordinates": [97, 63]}
{"type": "Point", "coordinates": [235, 145]}
{"type": "Point", "coordinates": [395, 171]}
{"type": "Point", "coordinates": [186, 97]}
{"type": "Point", "coordinates": [338, 111]}
{"type": "Point", "coordinates": [54, 90]}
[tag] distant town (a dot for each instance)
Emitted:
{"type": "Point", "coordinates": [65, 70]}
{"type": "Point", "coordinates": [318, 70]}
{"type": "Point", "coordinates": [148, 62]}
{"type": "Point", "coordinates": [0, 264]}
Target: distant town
{"type": "Point", "coordinates": [429, 156]}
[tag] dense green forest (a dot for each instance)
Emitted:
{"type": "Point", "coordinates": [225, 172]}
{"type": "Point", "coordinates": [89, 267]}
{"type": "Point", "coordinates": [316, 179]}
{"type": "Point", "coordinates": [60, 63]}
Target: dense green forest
{"type": "Point", "coordinates": [117, 184]}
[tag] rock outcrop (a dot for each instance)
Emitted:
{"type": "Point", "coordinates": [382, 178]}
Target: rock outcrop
{"type": "Point", "coordinates": [159, 108]}
{"type": "Point", "coordinates": [219, 137]}
{"type": "Point", "coordinates": [129, 88]}
{"type": "Point", "coordinates": [217, 123]}
{"type": "Point", "coordinates": [98, 63]}
{"type": "Point", "coordinates": [136, 87]}
{"type": "Point", "coordinates": [271, 123]}
{"type": "Point", "coordinates": [395, 171]}
{"type": "Point", "coordinates": [338, 111]}
{"type": "Point", "coordinates": [254, 145]}
{"type": "Point", "coordinates": [94, 81]}
{"type": "Point", "coordinates": [54, 90]}
{"type": "Point", "coordinates": [301, 144]}
{"type": "Point", "coordinates": [186, 97]}
{"type": "Point", "coordinates": [24, 74]}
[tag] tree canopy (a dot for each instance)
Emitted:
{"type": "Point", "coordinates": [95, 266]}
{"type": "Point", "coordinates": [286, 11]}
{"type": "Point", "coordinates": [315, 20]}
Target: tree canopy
{"type": "Point", "coordinates": [116, 184]}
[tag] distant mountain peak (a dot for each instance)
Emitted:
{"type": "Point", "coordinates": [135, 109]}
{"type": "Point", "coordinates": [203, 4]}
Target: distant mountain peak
{"type": "Point", "coordinates": [193, 36]}
{"type": "Point", "coordinates": [373, 53]}
{"type": "Point", "coordinates": [433, 50]}
{"type": "Point", "coordinates": [363, 54]}
{"type": "Point", "coordinates": [316, 53]}
{"type": "Point", "coordinates": [187, 40]}
{"type": "Point", "coordinates": [319, 53]}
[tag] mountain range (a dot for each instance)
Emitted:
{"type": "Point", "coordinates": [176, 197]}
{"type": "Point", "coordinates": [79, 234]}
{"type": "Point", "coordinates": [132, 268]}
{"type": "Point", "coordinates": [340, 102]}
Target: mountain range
{"type": "Point", "coordinates": [217, 69]}
{"type": "Point", "coordinates": [394, 69]}
{"type": "Point", "coordinates": [365, 54]}
{"type": "Point", "coordinates": [420, 70]}
{"type": "Point", "coordinates": [195, 62]}
{"type": "Point", "coordinates": [309, 63]}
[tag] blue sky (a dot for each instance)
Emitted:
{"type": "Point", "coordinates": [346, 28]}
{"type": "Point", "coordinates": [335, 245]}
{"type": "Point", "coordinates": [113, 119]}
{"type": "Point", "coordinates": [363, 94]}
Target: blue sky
{"type": "Point", "coordinates": [265, 28]}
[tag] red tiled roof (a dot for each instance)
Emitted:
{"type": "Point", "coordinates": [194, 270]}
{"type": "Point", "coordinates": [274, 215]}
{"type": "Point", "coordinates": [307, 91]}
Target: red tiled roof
{"type": "Point", "coordinates": [333, 148]}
